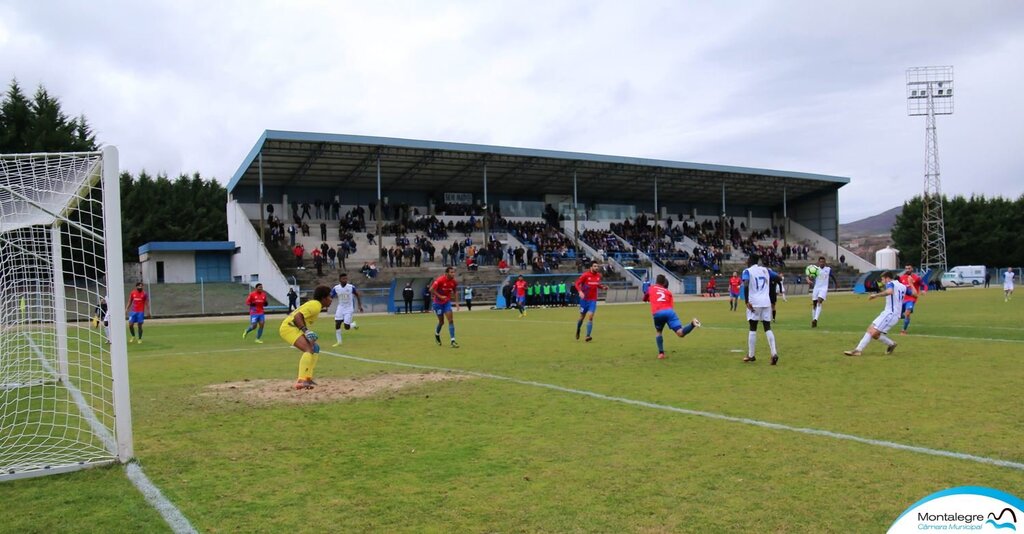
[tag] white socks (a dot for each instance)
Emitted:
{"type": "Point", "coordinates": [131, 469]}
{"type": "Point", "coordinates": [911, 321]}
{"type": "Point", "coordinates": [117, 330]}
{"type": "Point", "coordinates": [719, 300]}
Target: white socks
{"type": "Point", "coordinates": [885, 339]}
{"type": "Point", "coordinates": [337, 334]}
{"type": "Point", "coordinates": [771, 341]}
{"type": "Point", "coordinates": [817, 312]}
{"type": "Point", "coordinates": [751, 342]}
{"type": "Point", "coordinates": [864, 341]}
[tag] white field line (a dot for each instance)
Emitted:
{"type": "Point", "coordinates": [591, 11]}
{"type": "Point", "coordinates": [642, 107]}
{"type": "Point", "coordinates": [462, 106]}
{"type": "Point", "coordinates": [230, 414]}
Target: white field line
{"type": "Point", "coordinates": [744, 329]}
{"type": "Point", "coordinates": [709, 415]}
{"type": "Point", "coordinates": [268, 346]}
{"type": "Point", "coordinates": [172, 516]}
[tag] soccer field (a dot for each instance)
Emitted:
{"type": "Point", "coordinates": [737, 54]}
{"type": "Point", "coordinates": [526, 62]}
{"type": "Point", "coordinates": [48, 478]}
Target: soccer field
{"type": "Point", "coordinates": [558, 435]}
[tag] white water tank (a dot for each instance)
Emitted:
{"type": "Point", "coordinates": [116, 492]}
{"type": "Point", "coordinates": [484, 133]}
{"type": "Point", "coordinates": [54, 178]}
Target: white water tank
{"type": "Point", "coordinates": [887, 258]}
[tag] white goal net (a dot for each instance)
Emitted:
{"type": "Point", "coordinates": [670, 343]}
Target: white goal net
{"type": "Point", "coordinates": [63, 373]}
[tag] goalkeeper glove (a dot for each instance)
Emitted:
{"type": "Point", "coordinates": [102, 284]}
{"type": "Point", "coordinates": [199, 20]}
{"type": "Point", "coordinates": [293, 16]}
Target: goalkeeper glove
{"type": "Point", "coordinates": [311, 335]}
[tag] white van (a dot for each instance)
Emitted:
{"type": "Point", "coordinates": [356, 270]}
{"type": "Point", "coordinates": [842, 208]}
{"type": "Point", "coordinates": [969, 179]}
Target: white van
{"type": "Point", "coordinates": [964, 275]}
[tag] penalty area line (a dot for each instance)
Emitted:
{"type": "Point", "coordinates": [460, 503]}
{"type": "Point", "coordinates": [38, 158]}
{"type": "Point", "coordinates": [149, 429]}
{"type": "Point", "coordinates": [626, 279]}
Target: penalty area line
{"type": "Point", "coordinates": [709, 415]}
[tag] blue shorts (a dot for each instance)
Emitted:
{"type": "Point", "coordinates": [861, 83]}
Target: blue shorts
{"type": "Point", "coordinates": [521, 300]}
{"type": "Point", "coordinates": [442, 309]}
{"type": "Point", "coordinates": [136, 317]}
{"type": "Point", "coordinates": [257, 318]}
{"type": "Point", "coordinates": [667, 317]}
{"type": "Point", "coordinates": [908, 307]}
{"type": "Point", "coordinates": [588, 306]}
{"type": "Point", "coordinates": [735, 295]}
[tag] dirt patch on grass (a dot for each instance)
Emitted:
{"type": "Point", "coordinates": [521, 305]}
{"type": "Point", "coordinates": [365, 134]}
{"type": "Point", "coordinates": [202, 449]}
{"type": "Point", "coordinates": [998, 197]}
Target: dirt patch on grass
{"type": "Point", "coordinates": [264, 392]}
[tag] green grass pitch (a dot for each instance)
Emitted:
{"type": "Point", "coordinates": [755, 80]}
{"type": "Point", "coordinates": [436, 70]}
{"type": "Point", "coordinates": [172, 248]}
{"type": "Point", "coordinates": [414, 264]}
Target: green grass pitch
{"type": "Point", "coordinates": [487, 455]}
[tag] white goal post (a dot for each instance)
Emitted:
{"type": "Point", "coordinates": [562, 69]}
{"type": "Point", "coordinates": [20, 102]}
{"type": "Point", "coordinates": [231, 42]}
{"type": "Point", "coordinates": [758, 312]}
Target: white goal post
{"type": "Point", "coordinates": [64, 401]}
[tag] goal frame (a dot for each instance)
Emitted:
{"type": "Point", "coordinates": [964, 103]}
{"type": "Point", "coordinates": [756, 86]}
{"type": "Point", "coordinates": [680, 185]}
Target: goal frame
{"type": "Point", "coordinates": [118, 440]}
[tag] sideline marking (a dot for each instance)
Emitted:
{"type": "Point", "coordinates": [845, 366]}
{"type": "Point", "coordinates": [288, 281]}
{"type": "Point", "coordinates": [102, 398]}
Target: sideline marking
{"type": "Point", "coordinates": [172, 516]}
{"type": "Point", "coordinates": [709, 415]}
{"type": "Point", "coordinates": [787, 329]}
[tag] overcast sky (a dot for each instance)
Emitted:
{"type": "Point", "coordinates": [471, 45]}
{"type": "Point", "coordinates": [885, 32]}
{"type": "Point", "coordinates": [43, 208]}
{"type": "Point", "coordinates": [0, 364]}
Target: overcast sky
{"type": "Point", "coordinates": [814, 86]}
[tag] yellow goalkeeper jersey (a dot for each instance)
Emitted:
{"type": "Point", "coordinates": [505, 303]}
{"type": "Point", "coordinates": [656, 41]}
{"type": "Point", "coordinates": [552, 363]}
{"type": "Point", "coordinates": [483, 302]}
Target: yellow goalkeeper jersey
{"type": "Point", "coordinates": [310, 311]}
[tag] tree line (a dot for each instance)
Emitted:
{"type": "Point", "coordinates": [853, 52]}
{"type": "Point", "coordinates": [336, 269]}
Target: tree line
{"type": "Point", "coordinates": [979, 231]}
{"type": "Point", "coordinates": [153, 208]}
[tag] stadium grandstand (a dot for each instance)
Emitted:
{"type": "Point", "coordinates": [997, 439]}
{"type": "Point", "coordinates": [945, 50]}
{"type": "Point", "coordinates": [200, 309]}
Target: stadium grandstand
{"type": "Point", "coordinates": [303, 207]}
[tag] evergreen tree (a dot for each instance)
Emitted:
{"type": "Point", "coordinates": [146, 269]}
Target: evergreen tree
{"type": "Point", "coordinates": [40, 125]}
{"type": "Point", "coordinates": [979, 231]}
{"type": "Point", "coordinates": [15, 118]}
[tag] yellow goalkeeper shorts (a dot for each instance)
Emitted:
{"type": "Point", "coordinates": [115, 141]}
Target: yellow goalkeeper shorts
{"type": "Point", "coordinates": [289, 333]}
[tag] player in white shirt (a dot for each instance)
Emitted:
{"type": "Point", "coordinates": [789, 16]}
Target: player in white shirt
{"type": "Point", "coordinates": [343, 294]}
{"type": "Point", "coordinates": [819, 289]}
{"type": "Point", "coordinates": [894, 293]}
{"type": "Point", "coordinates": [756, 281]}
{"type": "Point", "coordinates": [1008, 275]}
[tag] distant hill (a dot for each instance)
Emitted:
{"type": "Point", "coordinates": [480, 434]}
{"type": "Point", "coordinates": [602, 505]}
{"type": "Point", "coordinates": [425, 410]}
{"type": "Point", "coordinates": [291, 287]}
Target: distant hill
{"type": "Point", "coordinates": [867, 236]}
{"type": "Point", "coordinates": [880, 224]}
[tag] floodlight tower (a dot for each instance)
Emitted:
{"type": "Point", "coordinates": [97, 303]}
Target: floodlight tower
{"type": "Point", "coordinates": [930, 93]}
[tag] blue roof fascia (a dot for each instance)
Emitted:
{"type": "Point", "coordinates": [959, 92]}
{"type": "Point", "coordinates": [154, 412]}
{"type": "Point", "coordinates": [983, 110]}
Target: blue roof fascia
{"type": "Point", "coordinates": [186, 246]}
{"type": "Point", "coordinates": [247, 161]}
{"type": "Point", "coordinates": [311, 137]}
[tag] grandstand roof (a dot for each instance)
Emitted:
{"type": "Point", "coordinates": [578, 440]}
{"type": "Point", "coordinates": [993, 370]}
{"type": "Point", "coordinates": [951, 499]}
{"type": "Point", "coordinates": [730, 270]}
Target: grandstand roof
{"type": "Point", "coordinates": [186, 246]}
{"type": "Point", "coordinates": [349, 161]}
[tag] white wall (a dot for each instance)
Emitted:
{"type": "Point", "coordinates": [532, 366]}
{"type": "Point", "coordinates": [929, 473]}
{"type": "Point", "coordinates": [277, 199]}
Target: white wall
{"type": "Point", "coordinates": [799, 232]}
{"type": "Point", "coordinates": [179, 267]}
{"type": "Point", "coordinates": [252, 257]}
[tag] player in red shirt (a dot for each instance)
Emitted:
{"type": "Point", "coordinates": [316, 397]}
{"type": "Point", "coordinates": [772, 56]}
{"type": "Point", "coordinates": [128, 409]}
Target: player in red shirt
{"type": "Point", "coordinates": [734, 291]}
{"type": "Point", "coordinates": [138, 300]}
{"type": "Point", "coordinates": [520, 289]}
{"type": "Point", "coordinates": [913, 281]}
{"type": "Point", "coordinates": [443, 292]}
{"type": "Point", "coordinates": [587, 285]}
{"type": "Point", "coordinates": [712, 287]}
{"type": "Point", "coordinates": [256, 301]}
{"type": "Point", "coordinates": [661, 308]}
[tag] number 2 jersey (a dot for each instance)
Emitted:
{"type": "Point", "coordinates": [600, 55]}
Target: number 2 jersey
{"type": "Point", "coordinates": [661, 299]}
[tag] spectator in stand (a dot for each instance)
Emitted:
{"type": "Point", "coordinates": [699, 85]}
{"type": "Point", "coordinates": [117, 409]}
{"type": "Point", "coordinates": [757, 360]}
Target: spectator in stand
{"type": "Point", "coordinates": [503, 266]}
{"type": "Point", "coordinates": [323, 231]}
{"type": "Point", "coordinates": [291, 235]}
{"type": "Point", "coordinates": [298, 252]}
{"type": "Point", "coordinates": [331, 255]}
{"type": "Point", "coordinates": [318, 261]}
{"type": "Point", "coordinates": [305, 210]}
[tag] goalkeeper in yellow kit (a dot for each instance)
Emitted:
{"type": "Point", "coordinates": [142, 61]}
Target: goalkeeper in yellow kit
{"type": "Point", "coordinates": [295, 330]}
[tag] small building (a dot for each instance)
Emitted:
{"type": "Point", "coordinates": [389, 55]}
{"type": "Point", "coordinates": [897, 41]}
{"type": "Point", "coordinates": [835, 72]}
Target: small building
{"type": "Point", "coordinates": [186, 262]}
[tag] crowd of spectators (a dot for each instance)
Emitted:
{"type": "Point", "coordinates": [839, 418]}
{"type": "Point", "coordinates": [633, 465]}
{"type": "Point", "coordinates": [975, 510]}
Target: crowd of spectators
{"type": "Point", "coordinates": [547, 240]}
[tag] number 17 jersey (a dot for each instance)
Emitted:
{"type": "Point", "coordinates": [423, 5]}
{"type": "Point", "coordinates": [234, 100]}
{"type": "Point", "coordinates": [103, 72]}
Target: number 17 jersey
{"type": "Point", "coordinates": [757, 288]}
